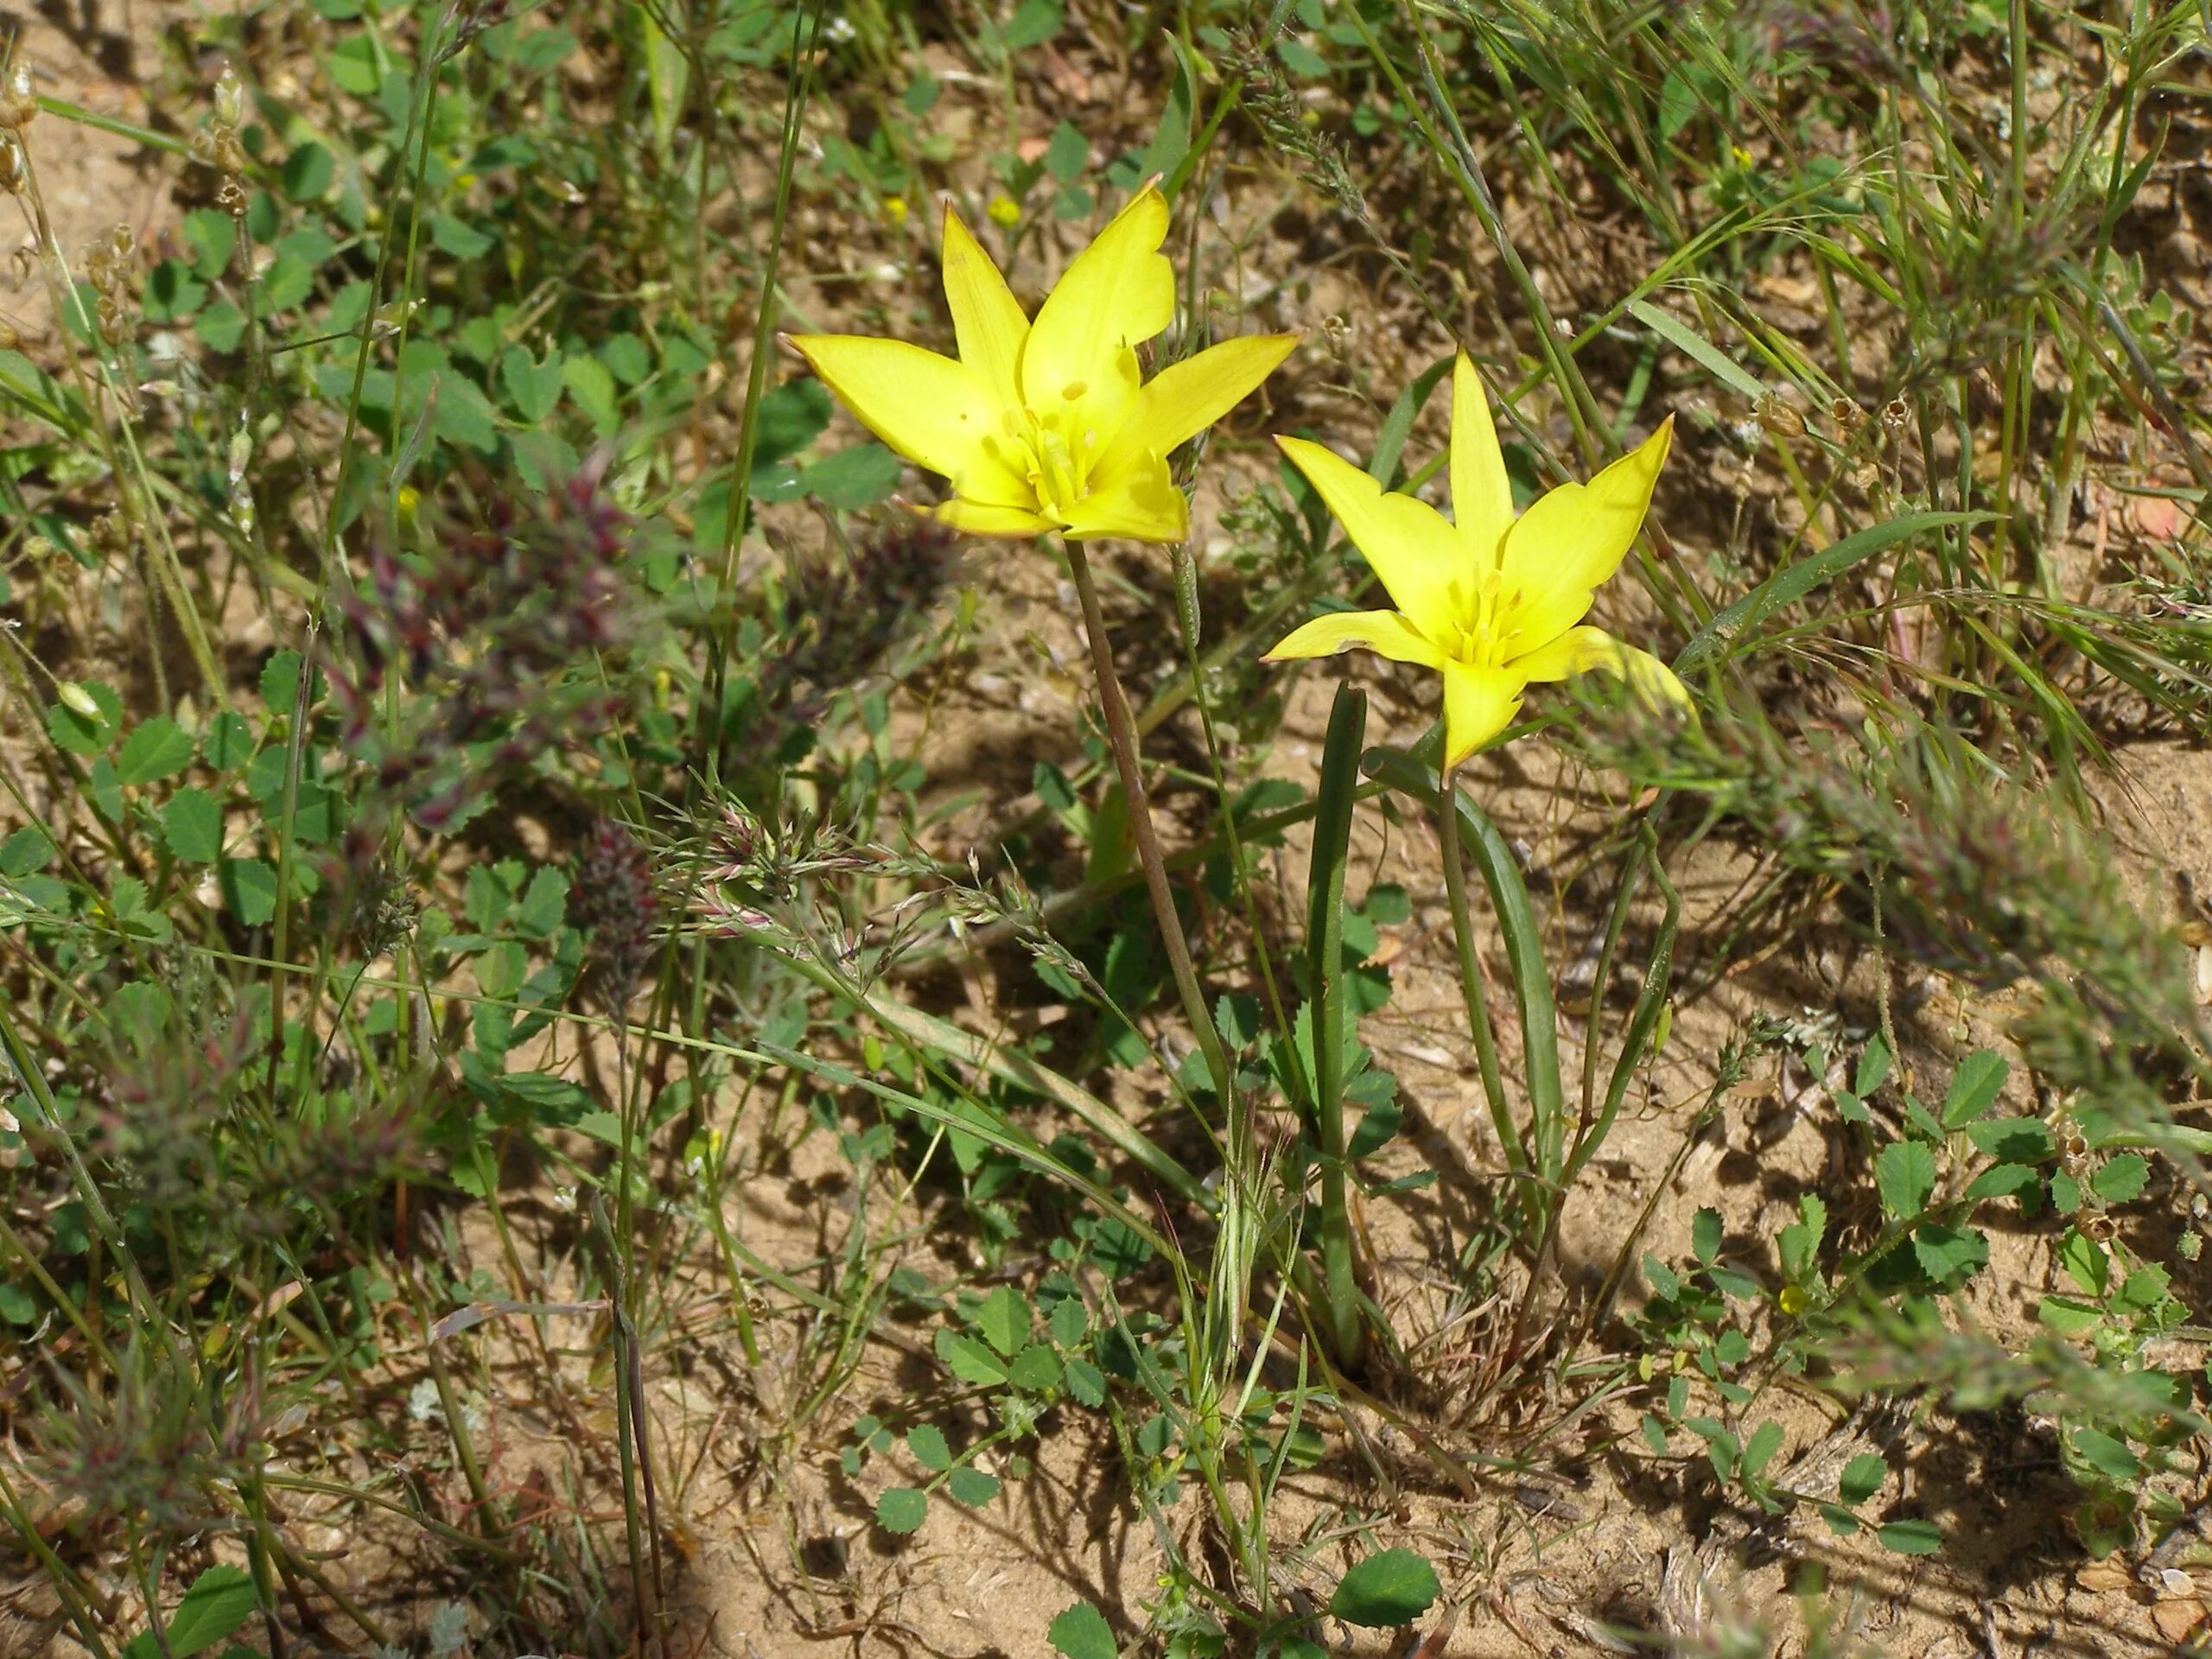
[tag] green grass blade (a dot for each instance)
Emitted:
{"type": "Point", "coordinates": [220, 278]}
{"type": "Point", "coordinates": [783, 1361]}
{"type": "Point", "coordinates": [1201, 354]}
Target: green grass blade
{"type": "Point", "coordinates": [1012, 1065]}
{"type": "Point", "coordinates": [1711, 644]}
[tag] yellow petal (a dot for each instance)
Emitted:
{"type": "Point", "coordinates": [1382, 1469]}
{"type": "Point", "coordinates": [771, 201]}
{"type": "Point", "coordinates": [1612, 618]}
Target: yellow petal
{"type": "Point", "coordinates": [1579, 650]}
{"type": "Point", "coordinates": [935, 413]}
{"type": "Point", "coordinates": [1185, 398]}
{"type": "Point", "coordinates": [987, 319]}
{"type": "Point", "coordinates": [1570, 542]}
{"type": "Point", "coordinates": [1479, 704]}
{"type": "Point", "coordinates": [977, 518]}
{"type": "Point", "coordinates": [1482, 497]}
{"type": "Point", "coordinates": [1420, 558]}
{"type": "Point", "coordinates": [1142, 504]}
{"type": "Point", "coordinates": [1119, 292]}
{"type": "Point", "coordinates": [1384, 632]}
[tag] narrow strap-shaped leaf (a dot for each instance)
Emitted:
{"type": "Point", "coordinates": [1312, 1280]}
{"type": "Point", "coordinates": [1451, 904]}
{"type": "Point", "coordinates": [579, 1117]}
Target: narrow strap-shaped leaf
{"type": "Point", "coordinates": [1694, 345]}
{"type": "Point", "coordinates": [1398, 424]}
{"type": "Point", "coordinates": [1524, 949]}
{"type": "Point", "coordinates": [1710, 644]}
{"type": "Point", "coordinates": [996, 1133]}
{"type": "Point", "coordinates": [1324, 946]}
{"type": "Point", "coordinates": [1025, 1071]}
{"type": "Point", "coordinates": [1650, 1003]}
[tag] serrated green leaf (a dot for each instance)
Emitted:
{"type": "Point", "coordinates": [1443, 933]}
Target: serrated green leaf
{"type": "Point", "coordinates": [1068, 1322]}
{"type": "Point", "coordinates": [1759, 1450]}
{"type": "Point", "coordinates": [229, 742]}
{"type": "Point", "coordinates": [1067, 153]}
{"type": "Point", "coordinates": [927, 1443]}
{"type": "Point", "coordinates": [2068, 1317]}
{"type": "Point", "coordinates": [1004, 1319]}
{"type": "Point", "coordinates": [2085, 1263]}
{"type": "Point", "coordinates": [1948, 1255]}
{"type": "Point", "coordinates": [2003, 1181]}
{"type": "Point", "coordinates": [1082, 1632]}
{"type": "Point", "coordinates": [2122, 1180]}
{"type": "Point", "coordinates": [2107, 1454]}
{"type": "Point", "coordinates": [219, 1600]}
{"type": "Point", "coordinates": [902, 1509]}
{"type": "Point", "coordinates": [280, 683]}
{"type": "Point", "coordinates": [1705, 1235]}
{"type": "Point", "coordinates": [1974, 1088]}
{"type": "Point", "coordinates": [792, 416]}
{"type": "Point", "coordinates": [159, 748]}
{"type": "Point", "coordinates": [1904, 1171]}
{"type": "Point", "coordinates": [853, 479]}
{"type": "Point", "coordinates": [544, 904]}
{"type": "Point", "coordinates": [532, 388]}
{"type": "Point", "coordinates": [972, 1486]}
{"type": "Point", "coordinates": [192, 824]}
{"type": "Point", "coordinates": [249, 888]}
{"type": "Point", "coordinates": [26, 852]}
{"type": "Point", "coordinates": [1035, 1368]}
{"type": "Point", "coordinates": [1737, 1287]}
{"type": "Point", "coordinates": [1863, 1477]}
{"type": "Point", "coordinates": [1086, 1384]}
{"type": "Point", "coordinates": [85, 719]}
{"type": "Point", "coordinates": [969, 1360]}
{"type": "Point", "coordinates": [1387, 1590]}
{"type": "Point", "coordinates": [1911, 1538]}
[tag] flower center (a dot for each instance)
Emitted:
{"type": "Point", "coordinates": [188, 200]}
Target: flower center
{"type": "Point", "coordinates": [1052, 452]}
{"type": "Point", "coordinates": [1486, 629]}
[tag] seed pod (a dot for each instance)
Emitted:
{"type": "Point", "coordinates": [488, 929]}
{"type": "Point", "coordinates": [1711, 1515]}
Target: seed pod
{"type": "Point", "coordinates": [230, 98]}
{"type": "Point", "coordinates": [18, 102]}
{"type": "Point", "coordinates": [1778, 418]}
{"type": "Point", "coordinates": [1186, 595]}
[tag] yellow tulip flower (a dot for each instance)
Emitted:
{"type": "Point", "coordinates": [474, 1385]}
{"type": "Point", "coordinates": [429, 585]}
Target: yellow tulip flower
{"type": "Point", "coordinates": [1493, 602]}
{"type": "Point", "coordinates": [1049, 426]}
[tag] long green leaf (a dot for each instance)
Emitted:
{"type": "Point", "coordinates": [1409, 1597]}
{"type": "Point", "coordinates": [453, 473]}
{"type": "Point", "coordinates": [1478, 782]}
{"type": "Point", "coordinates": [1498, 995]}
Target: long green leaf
{"type": "Point", "coordinates": [1693, 344]}
{"type": "Point", "coordinates": [1004, 1136]}
{"type": "Point", "coordinates": [1398, 424]}
{"type": "Point", "coordinates": [1650, 1003]}
{"type": "Point", "coordinates": [1012, 1065]}
{"type": "Point", "coordinates": [1710, 644]}
{"type": "Point", "coordinates": [1524, 947]}
{"type": "Point", "coordinates": [1324, 967]}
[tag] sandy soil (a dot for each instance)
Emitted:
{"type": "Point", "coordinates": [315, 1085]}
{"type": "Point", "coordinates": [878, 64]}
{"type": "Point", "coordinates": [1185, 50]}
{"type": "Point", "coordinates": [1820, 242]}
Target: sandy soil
{"type": "Point", "coordinates": [774, 1549]}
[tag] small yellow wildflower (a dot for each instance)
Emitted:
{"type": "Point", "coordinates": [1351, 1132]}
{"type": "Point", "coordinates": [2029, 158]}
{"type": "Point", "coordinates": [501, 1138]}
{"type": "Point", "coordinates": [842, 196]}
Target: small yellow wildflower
{"type": "Point", "coordinates": [1493, 602]}
{"type": "Point", "coordinates": [894, 209]}
{"type": "Point", "coordinates": [1792, 1300]}
{"type": "Point", "coordinates": [1004, 211]}
{"type": "Point", "coordinates": [1049, 425]}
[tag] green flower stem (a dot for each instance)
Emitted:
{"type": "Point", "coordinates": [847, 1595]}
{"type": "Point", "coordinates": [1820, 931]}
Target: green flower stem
{"type": "Point", "coordinates": [1470, 976]}
{"type": "Point", "coordinates": [1121, 735]}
